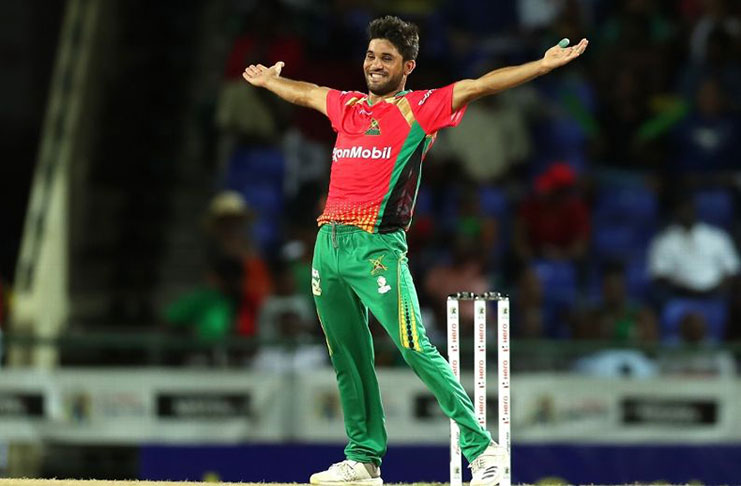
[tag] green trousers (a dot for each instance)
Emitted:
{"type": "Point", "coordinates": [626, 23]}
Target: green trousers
{"type": "Point", "coordinates": [354, 271]}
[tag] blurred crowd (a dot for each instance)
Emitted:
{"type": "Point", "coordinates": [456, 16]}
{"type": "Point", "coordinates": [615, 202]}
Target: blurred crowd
{"type": "Point", "coordinates": [603, 197]}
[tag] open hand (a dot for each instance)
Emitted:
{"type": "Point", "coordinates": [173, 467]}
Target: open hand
{"type": "Point", "coordinates": [557, 56]}
{"type": "Point", "coordinates": [259, 75]}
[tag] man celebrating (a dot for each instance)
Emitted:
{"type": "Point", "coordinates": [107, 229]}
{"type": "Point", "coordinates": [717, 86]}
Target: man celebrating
{"type": "Point", "coordinates": [360, 254]}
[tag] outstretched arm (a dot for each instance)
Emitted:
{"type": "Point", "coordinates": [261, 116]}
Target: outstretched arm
{"type": "Point", "coordinates": [296, 92]}
{"type": "Point", "coordinates": [468, 90]}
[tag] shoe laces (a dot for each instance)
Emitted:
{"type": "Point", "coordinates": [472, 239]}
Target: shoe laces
{"type": "Point", "coordinates": [345, 469]}
{"type": "Point", "coordinates": [477, 464]}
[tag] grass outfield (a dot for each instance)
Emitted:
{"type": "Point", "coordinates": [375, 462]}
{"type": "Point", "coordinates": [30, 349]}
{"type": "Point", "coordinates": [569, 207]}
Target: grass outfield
{"type": "Point", "coordinates": [94, 482]}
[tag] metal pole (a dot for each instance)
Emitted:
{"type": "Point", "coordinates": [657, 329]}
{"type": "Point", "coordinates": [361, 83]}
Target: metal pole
{"type": "Point", "coordinates": [503, 372]}
{"type": "Point", "coordinates": [479, 309]}
{"type": "Point", "coordinates": [456, 464]}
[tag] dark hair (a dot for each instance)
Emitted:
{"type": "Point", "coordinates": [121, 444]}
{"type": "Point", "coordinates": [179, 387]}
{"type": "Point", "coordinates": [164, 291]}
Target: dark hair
{"type": "Point", "coordinates": [403, 35]}
{"type": "Point", "coordinates": [613, 267]}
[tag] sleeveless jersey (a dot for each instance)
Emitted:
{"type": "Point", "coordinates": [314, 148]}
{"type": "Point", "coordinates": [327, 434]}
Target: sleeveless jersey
{"type": "Point", "coordinates": [377, 158]}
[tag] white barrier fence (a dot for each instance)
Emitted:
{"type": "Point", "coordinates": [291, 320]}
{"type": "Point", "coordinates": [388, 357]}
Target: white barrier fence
{"type": "Point", "coordinates": [211, 406]}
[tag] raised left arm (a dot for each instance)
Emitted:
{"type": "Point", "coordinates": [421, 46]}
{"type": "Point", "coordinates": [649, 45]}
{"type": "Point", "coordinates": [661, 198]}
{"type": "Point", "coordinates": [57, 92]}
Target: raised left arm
{"type": "Point", "coordinates": [468, 90]}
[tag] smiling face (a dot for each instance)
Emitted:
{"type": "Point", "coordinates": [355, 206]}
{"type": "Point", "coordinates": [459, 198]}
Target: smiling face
{"type": "Point", "coordinates": [384, 68]}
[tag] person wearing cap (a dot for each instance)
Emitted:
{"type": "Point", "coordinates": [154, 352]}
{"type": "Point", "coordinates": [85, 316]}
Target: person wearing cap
{"type": "Point", "coordinates": [227, 228]}
{"type": "Point", "coordinates": [553, 222]}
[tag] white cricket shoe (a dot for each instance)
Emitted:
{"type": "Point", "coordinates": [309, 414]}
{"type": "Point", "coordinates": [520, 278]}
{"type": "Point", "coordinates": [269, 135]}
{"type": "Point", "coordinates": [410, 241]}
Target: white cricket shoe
{"type": "Point", "coordinates": [488, 468]}
{"type": "Point", "coordinates": [348, 473]}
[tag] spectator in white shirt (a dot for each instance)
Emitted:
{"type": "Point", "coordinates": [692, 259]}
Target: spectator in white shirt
{"type": "Point", "coordinates": [690, 258]}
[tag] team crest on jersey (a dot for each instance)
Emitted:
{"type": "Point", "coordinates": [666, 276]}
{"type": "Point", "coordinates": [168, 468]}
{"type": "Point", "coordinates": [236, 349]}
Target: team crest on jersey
{"type": "Point", "coordinates": [383, 285]}
{"type": "Point", "coordinates": [378, 265]}
{"type": "Point", "coordinates": [373, 129]}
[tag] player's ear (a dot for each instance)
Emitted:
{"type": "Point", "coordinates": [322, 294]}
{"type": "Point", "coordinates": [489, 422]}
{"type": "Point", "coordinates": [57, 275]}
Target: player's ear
{"type": "Point", "coordinates": [409, 66]}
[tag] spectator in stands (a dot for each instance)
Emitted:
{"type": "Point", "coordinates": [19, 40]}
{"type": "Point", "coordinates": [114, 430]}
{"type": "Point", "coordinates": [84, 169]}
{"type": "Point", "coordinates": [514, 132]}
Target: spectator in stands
{"type": "Point", "coordinates": [466, 270]}
{"type": "Point", "coordinates": [286, 299]}
{"type": "Point", "coordinates": [296, 254]}
{"type": "Point", "coordinates": [491, 140]}
{"type": "Point", "coordinates": [720, 62]}
{"type": "Point", "coordinates": [553, 222]}
{"type": "Point", "coordinates": [632, 72]}
{"type": "Point", "coordinates": [616, 317]}
{"type": "Point", "coordinates": [244, 114]}
{"type": "Point", "coordinates": [708, 139]}
{"type": "Point", "coordinates": [699, 357]}
{"type": "Point", "coordinates": [474, 226]}
{"type": "Point", "coordinates": [690, 258]}
{"type": "Point", "coordinates": [528, 306]}
{"type": "Point", "coordinates": [209, 311]}
{"type": "Point", "coordinates": [625, 106]}
{"type": "Point", "coordinates": [637, 36]}
{"type": "Point", "coordinates": [715, 18]}
{"type": "Point", "coordinates": [227, 226]}
{"type": "Point", "coordinates": [266, 36]}
{"type": "Point", "coordinates": [287, 328]}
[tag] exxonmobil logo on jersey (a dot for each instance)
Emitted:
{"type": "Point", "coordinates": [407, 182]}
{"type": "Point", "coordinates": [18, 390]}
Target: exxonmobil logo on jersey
{"type": "Point", "coordinates": [360, 152]}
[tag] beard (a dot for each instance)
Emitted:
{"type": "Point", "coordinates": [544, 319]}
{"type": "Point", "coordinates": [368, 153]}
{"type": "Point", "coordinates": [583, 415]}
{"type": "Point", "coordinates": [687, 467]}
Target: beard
{"type": "Point", "coordinates": [383, 88]}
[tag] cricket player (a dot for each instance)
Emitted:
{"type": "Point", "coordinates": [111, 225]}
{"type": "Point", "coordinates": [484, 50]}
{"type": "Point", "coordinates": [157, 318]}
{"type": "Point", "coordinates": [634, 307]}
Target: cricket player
{"type": "Point", "coordinates": [360, 261]}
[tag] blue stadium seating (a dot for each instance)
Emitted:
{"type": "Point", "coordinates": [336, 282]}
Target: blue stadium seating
{"type": "Point", "coordinates": [249, 164]}
{"type": "Point", "coordinates": [266, 199]}
{"type": "Point", "coordinates": [637, 278]}
{"type": "Point", "coordinates": [558, 278]}
{"type": "Point", "coordinates": [715, 207]}
{"type": "Point", "coordinates": [266, 232]}
{"type": "Point", "coordinates": [257, 174]}
{"type": "Point", "coordinates": [559, 282]}
{"type": "Point", "coordinates": [424, 202]}
{"type": "Point", "coordinates": [632, 204]}
{"type": "Point", "coordinates": [493, 202]}
{"type": "Point", "coordinates": [612, 241]}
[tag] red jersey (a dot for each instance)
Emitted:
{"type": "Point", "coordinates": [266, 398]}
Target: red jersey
{"type": "Point", "coordinates": [377, 158]}
{"type": "Point", "coordinates": [555, 224]}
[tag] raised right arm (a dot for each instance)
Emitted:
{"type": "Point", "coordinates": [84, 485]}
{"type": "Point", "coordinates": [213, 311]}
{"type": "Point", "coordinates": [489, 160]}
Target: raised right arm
{"type": "Point", "coordinates": [296, 92]}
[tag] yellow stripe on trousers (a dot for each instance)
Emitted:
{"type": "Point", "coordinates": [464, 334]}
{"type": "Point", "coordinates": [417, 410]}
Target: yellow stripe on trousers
{"type": "Point", "coordinates": [403, 323]}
